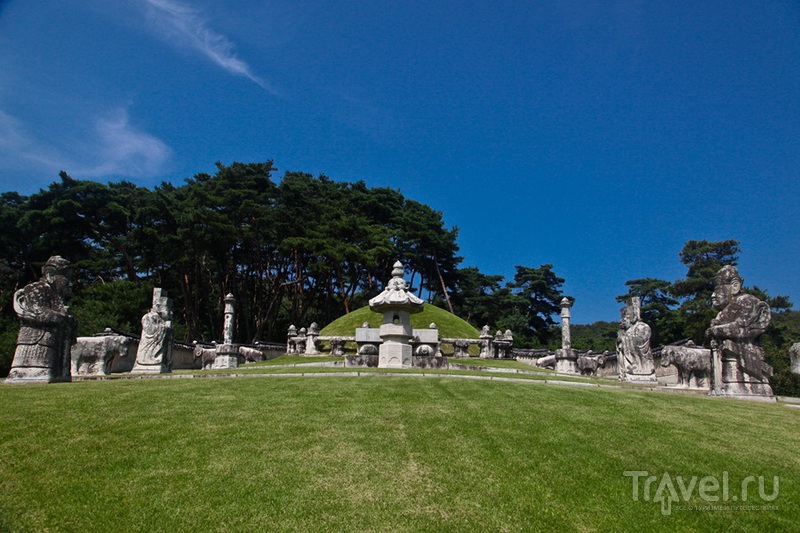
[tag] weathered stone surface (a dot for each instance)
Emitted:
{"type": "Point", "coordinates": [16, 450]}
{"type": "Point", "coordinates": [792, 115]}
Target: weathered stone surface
{"type": "Point", "coordinates": [396, 295]}
{"type": "Point", "coordinates": [368, 360]}
{"type": "Point", "coordinates": [102, 355]}
{"type": "Point", "coordinates": [634, 356]}
{"type": "Point", "coordinates": [47, 327]}
{"type": "Point", "coordinates": [588, 364]}
{"type": "Point", "coordinates": [311, 340]}
{"type": "Point", "coordinates": [154, 355]}
{"type": "Point", "coordinates": [693, 364]}
{"type": "Point", "coordinates": [502, 344]}
{"type": "Point", "coordinates": [429, 361]}
{"type": "Point", "coordinates": [396, 303]}
{"type": "Point", "coordinates": [735, 333]}
{"type": "Point", "coordinates": [229, 326]}
{"type": "Point", "coordinates": [566, 339]}
{"type": "Point", "coordinates": [548, 361]}
{"type": "Point", "coordinates": [461, 348]}
{"type": "Point", "coordinates": [368, 349]}
{"type": "Point", "coordinates": [424, 350]}
{"type": "Point", "coordinates": [206, 355]}
{"type": "Point", "coordinates": [250, 355]}
{"type": "Point", "coordinates": [227, 356]}
{"type": "Point", "coordinates": [794, 358]}
{"type": "Point", "coordinates": [337, 347]}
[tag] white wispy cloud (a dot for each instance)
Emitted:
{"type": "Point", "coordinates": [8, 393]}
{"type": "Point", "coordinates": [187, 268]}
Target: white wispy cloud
{"type": "Point", "coordinates": [125, 150]}
{"type": "Point", "coordinates": [183, 26]}
{"type": "Point", "coordinates": [109, 147]}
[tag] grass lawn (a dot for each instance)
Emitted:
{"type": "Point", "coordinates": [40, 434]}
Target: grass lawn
{"type": "Point", "coordinates": [388, 454]}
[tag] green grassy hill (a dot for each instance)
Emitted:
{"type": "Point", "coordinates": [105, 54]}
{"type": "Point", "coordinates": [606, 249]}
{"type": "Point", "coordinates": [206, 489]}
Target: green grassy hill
{"type": "Point", "coordinates": [385, 454]}
{"type": "Point", "coordinates": [450, 326]}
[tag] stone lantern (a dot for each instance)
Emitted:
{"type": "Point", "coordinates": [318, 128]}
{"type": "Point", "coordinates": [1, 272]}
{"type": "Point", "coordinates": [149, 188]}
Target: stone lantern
{"type": "Point", "coordinates": [396, 304]}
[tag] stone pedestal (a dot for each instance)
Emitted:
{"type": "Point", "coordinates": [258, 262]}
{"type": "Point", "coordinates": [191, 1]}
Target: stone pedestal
{"type": "Point", "coordinates": [395, 350]}
{"type": "Point", "coordinates": [227, 356]}
{"type": "Point", "coordinates": [567, 361]}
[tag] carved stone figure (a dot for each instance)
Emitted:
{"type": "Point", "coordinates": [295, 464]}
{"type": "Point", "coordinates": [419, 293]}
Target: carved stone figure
{"type": "Point", "coordinates": [460, 348]}
{"type": "Point", "coordinates": [693, 364]}
{"type": "Point", "coordinates": [794, 357]}
{"type": "Point", "coordinates": [251, 355]}
{"type": "Point", "coordinates": [155, 346]}
{"type": "Point", "coordinates": [634, 356]}
{"type": "Point", "coordinates": [205, 355]}
{"type": "Point", "coordinates": [424, 350]}
{"type": "Point", "coordinates": [588, 364]}
{"type": "Point", "coordinates": [337, 347]}
{"type": "Point", "coordinates": [548, 361]}
{"type": "Point", "coordinates": [47, 327]}
{"type": "Point", "coordinates": [738, 362]}
{"type": "Point", "coordinates": [99, 355]}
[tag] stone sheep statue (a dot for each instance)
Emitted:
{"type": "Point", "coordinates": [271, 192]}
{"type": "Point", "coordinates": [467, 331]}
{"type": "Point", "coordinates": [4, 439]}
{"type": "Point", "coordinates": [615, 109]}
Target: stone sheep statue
{"type": "Point", "coordinates": [251, 355]}
{"type": "Point", "coordinates": [693, 364]}
{"type": "Point", "coordinates": [588, 364]}
{"type": "Point", "coordinates": [548, 361]}
{"type": "Point", "coordinates": [206, 355]}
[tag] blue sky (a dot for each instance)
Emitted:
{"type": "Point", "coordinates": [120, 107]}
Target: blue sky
{"type": "Point", "coordinates": [596, 136]}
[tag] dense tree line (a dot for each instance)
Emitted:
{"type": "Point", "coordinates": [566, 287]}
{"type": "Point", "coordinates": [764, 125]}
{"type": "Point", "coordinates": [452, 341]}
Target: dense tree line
{"type": "Point", "coordinates": [308, 249]}
{"type": "Point", "coordinates": [300, 250]}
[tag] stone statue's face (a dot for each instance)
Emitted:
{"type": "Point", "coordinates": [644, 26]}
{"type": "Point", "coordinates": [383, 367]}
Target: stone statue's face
{"type": "Point", "coordinates": [722, 295]}
{"type": "Point", "coordinates": [61, 284]}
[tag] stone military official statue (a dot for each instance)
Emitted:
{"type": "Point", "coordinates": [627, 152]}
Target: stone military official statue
{"type": "Point", "coordinates": [735, 335]}
{"type": "Point", "coordinates": [47, 327]}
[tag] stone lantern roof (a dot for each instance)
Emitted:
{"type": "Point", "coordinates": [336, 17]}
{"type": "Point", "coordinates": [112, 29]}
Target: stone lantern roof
{"type": "Point", "coordinates": [396, 294]}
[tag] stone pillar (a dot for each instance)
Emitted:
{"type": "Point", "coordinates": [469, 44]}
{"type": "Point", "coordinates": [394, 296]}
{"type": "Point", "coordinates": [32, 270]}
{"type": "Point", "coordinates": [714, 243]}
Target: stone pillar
{"type": "Point", "coordinates": [227, 332]}
{"type": "Point", "coordinates": [566, 341]}
{"type": "Point", "coordinates": [566, 357]}
{"type": "Point", "coordinates": [227, 352]}
{"type": "Point", "coordinates": [311, 339]}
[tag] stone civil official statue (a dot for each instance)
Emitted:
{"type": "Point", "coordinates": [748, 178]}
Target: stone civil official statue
{"type": "Point", "coordinates": [47, 327]}
{"type": "Point", "coordinates": [735, 335]}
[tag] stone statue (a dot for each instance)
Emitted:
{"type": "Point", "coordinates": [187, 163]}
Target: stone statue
{"type": "Point", "coordinates": [47, 329]}
{"type": "Point", "coordinates": [634, 357]}
{"type": "Point", "coordinates": [693, 364]}
{"type": "Point", "coordinates": [738, 362]}
{"type": "Point", "coordinates": [794, 358]}
{"type": "Point", "coordinates": [155, 347]}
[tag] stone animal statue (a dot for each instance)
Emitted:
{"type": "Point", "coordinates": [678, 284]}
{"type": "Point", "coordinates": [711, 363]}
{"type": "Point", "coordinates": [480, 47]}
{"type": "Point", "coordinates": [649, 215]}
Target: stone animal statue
{"type": "Point", "coordinates": [588, 364]}
{"type": "Point", "coordinates": [206, 355]}
{"type": "Point", "coordinates": [548, 361]}
{"type": "Point", "coordinates": [693, 364]}
{"type": "Point", "coordinates": [251, 355]}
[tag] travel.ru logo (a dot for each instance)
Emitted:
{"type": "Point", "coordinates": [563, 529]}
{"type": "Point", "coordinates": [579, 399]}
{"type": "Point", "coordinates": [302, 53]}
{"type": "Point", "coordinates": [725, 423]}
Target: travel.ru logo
{"type": "Point", "coordinates": [715, 493]}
